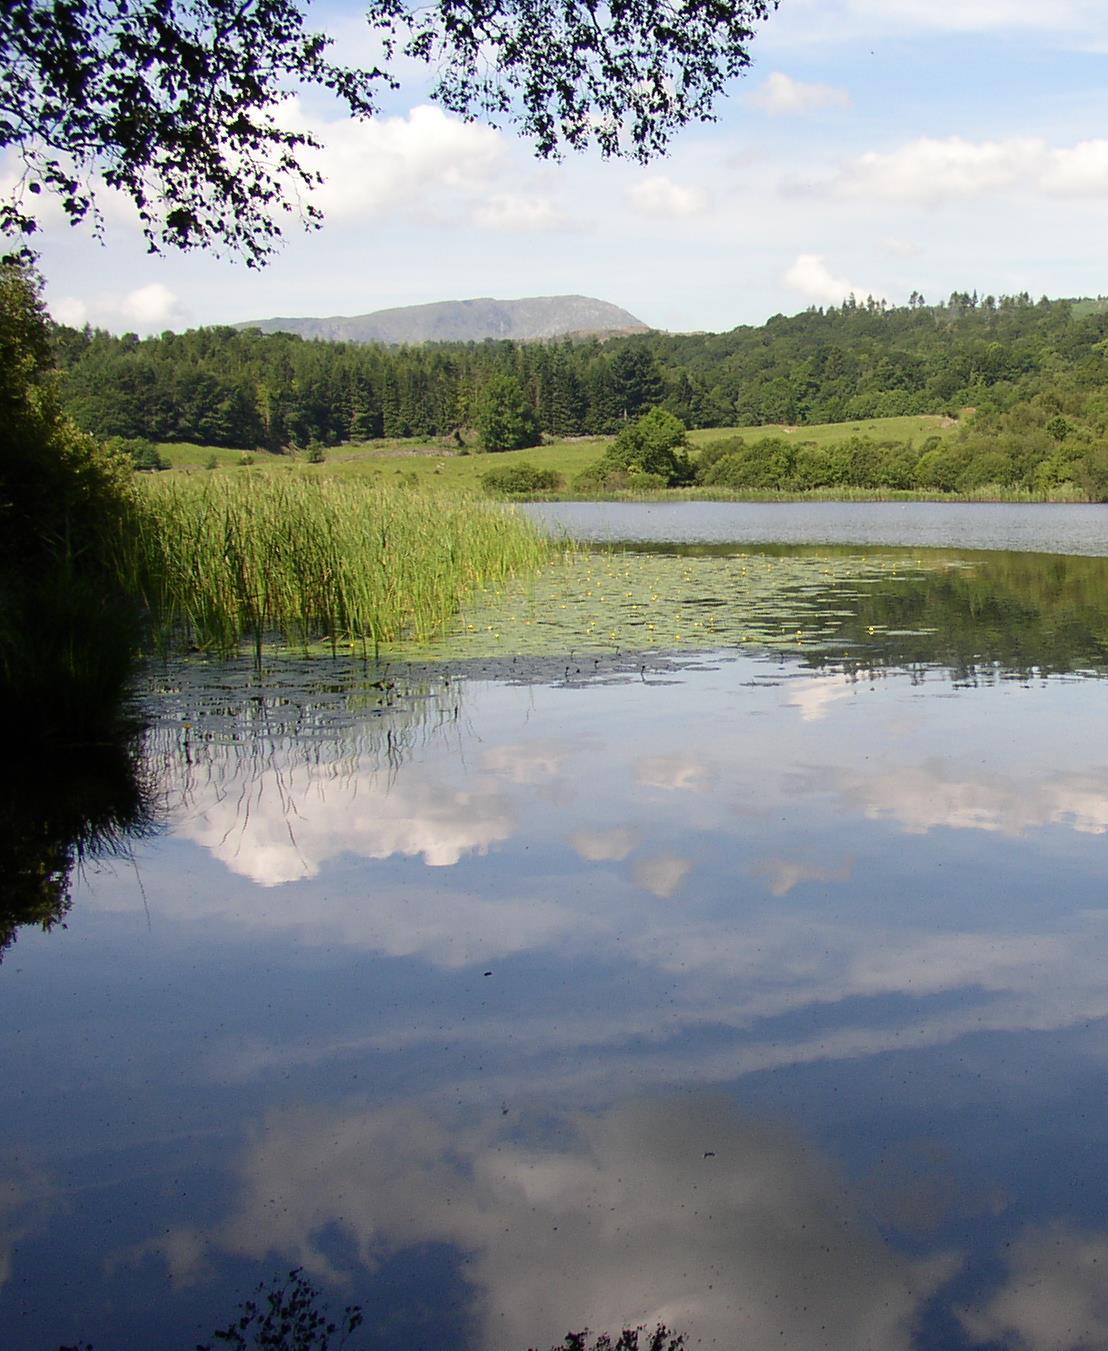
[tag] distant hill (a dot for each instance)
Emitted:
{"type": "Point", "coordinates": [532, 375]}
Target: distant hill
{"type": "Point", "coordinates": [466, 321]}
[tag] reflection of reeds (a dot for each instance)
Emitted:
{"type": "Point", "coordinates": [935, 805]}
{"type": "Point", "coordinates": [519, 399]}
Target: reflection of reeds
{"type": "Point", "coordinates": [238, 732]}
{"type": "Point", "coordinates": [219, 560]}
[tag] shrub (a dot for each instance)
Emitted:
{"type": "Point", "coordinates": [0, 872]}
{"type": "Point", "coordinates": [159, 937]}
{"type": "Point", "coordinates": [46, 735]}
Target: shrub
{"type": "Point", "coordinates": [1091, 473]}
{"type": "Point", "coordinates": [515, 479]}
{"type": "Point", "coordinates": [142, 453]}
{"type": "Point", "coordinates": [769, 463]}
{"type": "Point", "coordinates": [812, 468]}
{"type": "Point", "coordinates": [246, 459]}
{"type": "Point", "coordinates": [314, 453]}
{"type": "Point", "coordinates": [986, 468]}
{"type": "Point", "coordinates": [655, 446]}
{"type": "Point", "coordinates": [715, 451]}
{"type": "Point", "coordinates": [940, 469]}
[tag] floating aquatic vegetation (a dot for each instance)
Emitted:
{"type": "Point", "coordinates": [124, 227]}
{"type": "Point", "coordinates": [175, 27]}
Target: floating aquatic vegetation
{"type": "Point", "coordinates": [643, 600]}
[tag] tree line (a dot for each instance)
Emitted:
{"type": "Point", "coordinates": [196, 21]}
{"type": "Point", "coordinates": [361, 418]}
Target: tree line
{"type": "Point", "coordinates": [226, 387]}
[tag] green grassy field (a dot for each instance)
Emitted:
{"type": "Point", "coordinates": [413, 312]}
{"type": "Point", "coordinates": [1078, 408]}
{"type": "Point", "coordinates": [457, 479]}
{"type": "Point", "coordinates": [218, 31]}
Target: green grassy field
{"type": "Point", "coordinates": [439, 462]}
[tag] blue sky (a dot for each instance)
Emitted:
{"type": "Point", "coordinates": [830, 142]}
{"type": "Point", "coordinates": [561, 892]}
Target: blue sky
{"type": "Point", "coordinates": [879, 146]}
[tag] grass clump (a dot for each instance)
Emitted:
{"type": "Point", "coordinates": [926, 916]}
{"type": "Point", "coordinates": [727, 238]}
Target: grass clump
{"type": "Point", "coordinates": [218, 559]}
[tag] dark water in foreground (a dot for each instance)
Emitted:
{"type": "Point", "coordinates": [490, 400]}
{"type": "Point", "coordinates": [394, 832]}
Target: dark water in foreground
{"type": "Point", "coordinates": [757, 989]}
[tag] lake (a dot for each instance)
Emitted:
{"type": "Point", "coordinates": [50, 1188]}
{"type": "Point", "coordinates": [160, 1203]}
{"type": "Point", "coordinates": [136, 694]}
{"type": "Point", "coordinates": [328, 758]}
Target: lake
{"type": "Point", "coordinates": [1043, 527]}
{"type": "Point", "coordinates": [712, 932]}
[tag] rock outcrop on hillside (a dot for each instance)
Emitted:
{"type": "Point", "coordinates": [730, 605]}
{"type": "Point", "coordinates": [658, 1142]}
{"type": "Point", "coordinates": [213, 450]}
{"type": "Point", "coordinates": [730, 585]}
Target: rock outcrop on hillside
{"type": "Point", "coordinates": [466, 321]}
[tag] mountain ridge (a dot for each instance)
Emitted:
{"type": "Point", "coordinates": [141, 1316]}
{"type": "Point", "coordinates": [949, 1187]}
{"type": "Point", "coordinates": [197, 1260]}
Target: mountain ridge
{"type": "Point", "coordinates": [531, 318]}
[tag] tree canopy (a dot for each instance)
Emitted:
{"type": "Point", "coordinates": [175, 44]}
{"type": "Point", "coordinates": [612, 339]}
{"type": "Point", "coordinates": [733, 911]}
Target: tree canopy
{"type": "Point", "coordinates": [505, 419]}
{"type": "Point", "coordinates": [177, 103]}
{"type": "Point", "coordinates": [650, 452]}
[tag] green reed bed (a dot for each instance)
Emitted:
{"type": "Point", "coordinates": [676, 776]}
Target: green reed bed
{"type": "Point", "coordinates": [219, 560]}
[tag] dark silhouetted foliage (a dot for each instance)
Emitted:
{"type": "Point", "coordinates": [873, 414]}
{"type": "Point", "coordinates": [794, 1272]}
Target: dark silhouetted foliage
{"type": "Point", "coordinates": [287, 1315]}
{"type": "Point", "coordinates": [630, 1339]}
{"type": "Point", "coordinates": [175, 103]}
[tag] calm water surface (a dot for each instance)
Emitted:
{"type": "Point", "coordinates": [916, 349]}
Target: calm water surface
{"type": "Point", "coordinates": [758, 988]}
{"type": "Point", "coordinates": [1047, 527]}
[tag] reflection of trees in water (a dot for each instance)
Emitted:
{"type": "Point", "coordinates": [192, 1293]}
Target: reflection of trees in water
{"type": "Point", "coordinates": [1007, 614]}
{"type": "Point", "coordinates": [64, 807]}
{"type": "Point", "coordinates": [979, 615]}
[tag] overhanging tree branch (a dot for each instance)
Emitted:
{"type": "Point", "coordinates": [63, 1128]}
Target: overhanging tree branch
{"type": "Point", "coordinates": [175, 102]}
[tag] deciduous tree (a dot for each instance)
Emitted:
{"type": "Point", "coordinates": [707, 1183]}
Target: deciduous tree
{"type": "Point", "coordinates": [505, 420]}
{"type": "Point", "coordinates": [177, 103]}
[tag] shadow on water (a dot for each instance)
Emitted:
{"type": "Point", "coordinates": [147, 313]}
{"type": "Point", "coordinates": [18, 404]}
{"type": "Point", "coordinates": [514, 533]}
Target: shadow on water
{"type": "Point", "coordinates": [77, 786]}
{"type": "Point", "coordinates": [61, 807]}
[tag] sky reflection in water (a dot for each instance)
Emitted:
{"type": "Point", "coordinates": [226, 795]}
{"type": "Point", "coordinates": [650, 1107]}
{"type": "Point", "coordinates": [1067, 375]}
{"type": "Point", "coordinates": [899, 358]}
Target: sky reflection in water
{"type": "Point", "coordinates": [758, 992]}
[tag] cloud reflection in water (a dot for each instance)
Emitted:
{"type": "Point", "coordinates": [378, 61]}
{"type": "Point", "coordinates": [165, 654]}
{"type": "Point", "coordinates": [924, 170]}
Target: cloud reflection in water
{"type": "Point", "coordinates": [283, 823]}
{"type": "Point", "coordinates": [679, 1211]}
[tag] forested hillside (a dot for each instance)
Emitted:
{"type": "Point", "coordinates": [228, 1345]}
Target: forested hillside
{"type": "Point", "coordinates": [1043, 364]}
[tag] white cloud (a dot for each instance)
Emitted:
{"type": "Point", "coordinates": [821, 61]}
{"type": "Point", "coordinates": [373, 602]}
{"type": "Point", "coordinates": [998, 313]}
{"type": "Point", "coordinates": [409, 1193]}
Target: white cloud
{"type": "Point", "coordinates": [981, 15]}
{"type": "Point", "coordinates": [781, 95]}
{"type": "Point", "coordinates": [930, 171]}
{"type": "Point", "coordinates": [1079, 170]}
{"type": "Point", "coordinates": [398, 166]}
{"type": "Point", "coordinates": [819, 22]}
{"type": "Point", "coordinates": [257, 833]}
{"type": "Point", "coordinates": [529, 762]}
{"type": "Point", "coordinates": [146, 309]}
{"type": "Point", "coordinates": [28, 1197]}
{"type": "Point", "coordinates": [69, 310]}
{"type": "Point", "coordinates": [815, 697]}
{"type": "Point", "coordinates": [659, 197]}
{"type": "Point", "coordinates": [1055, 1297]}
{"type": "Point", "coordinates": [810, 277]}
{"type": "Point", "coordinates": [443, 926]}
{"type": "Point", "coordinates": [512, 211]}
{"type": "Point", "coordinates": [152, 305]}
{"type": "Point", "coordinates": [900, 248]}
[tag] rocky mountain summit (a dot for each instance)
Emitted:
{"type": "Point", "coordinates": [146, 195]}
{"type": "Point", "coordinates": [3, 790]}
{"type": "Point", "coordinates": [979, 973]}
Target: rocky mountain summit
{"type": "Point", "coordinates": [466, 321]}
